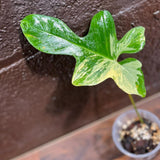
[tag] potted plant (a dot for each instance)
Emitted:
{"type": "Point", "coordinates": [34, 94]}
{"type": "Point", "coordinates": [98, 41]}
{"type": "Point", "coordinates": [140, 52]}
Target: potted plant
{"type": "Point", "coordinates": [96, 57]}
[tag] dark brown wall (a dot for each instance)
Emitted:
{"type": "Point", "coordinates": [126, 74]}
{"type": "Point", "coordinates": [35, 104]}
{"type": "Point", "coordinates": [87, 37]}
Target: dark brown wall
{"type": "Point", "coordinates": [37, 101]}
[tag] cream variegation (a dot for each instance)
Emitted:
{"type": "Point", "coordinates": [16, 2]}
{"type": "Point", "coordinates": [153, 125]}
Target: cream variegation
{"type": "Point", "coordinates": [96, 54]}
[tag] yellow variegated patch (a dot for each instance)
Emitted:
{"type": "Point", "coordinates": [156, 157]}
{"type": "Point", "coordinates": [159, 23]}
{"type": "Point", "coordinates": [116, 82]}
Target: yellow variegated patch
{"type": "Point", "coordinates": [96, 54]}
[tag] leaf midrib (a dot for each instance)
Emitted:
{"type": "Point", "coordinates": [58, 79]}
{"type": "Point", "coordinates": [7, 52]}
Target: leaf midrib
{"type": "Point", "coordinates": [76, 44]}
{"type": "Point", "coordinates": [84, 48]}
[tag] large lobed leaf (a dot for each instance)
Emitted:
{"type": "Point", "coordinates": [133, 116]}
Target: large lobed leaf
{"type": "Point", "coordinates": [96, 54]}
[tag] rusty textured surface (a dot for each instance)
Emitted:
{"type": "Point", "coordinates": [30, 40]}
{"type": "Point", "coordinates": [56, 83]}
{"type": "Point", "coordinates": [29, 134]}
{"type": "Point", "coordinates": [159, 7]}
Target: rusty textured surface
{"type": "Point", "coordinates": [38, 102]}
{"type": "Point", "coordinates": [94, 142]}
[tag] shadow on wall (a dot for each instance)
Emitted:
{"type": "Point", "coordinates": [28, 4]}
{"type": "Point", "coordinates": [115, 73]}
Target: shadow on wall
{"type": "Point", "coordinates": [69, 98]}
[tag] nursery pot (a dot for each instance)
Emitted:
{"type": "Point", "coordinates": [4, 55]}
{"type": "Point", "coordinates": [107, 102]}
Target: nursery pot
{"type": "Point", "coordinates": [117, 126]}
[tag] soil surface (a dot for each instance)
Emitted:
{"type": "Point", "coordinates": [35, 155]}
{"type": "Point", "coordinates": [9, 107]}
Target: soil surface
{"type": "Point", "coordinates": [140, 138]}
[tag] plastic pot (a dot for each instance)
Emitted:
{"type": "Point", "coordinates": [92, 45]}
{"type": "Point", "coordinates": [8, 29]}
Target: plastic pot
{"type": "Point", "coordinates": [123, 119]}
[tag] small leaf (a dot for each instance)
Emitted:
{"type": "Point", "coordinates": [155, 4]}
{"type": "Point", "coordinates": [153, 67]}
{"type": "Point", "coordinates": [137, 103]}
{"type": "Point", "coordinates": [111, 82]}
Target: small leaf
{"type": "Point", "coordinates": [96, 54]}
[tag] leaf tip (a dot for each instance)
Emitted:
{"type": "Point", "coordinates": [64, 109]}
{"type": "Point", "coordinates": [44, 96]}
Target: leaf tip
{"type": "Point", "coordinates": [142, 92]}
{"type": "Point", "coordinates": [73, 80]}
{"type": "Point", "coordinates": [74, 83]}
{"type": "Point", "coordinates": [143, 95]}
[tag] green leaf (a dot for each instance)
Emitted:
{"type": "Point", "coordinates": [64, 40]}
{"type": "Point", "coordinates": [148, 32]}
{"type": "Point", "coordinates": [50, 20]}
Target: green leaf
{"type": "Point", "coordinates": [96, 54]}
{"type": "Point", "coordinates": [133, 41]}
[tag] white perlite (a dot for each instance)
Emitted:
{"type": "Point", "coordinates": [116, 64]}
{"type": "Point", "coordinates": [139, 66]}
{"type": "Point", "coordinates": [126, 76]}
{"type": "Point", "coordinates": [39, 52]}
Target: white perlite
{"type": "Point", "coordinates": [141, 132]}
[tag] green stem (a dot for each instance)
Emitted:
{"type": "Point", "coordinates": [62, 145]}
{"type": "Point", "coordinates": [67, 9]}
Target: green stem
{"type": "Point", "coordinates": [134, 105]}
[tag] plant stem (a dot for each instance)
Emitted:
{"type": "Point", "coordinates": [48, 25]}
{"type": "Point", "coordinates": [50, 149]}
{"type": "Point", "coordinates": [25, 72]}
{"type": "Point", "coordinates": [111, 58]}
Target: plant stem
{"type": "Point", "coordinates": [134, 105]}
